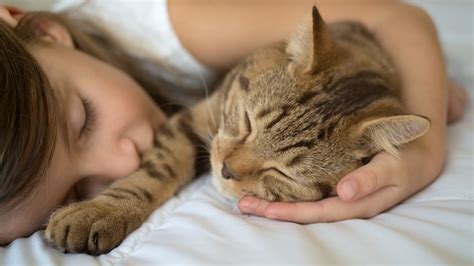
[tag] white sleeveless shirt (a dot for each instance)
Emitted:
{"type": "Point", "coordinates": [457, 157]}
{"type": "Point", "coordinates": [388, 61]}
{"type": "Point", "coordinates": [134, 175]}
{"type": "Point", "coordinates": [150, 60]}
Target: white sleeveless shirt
{"type": "Point", "coordinates": [143, 28]}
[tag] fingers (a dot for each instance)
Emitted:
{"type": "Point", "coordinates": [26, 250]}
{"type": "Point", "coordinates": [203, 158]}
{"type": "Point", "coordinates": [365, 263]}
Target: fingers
{"type": "Point", "coordinates": [301, 212]}
{"type": "Point", "coordinates": [378, 173]}
{"type": "Point", "coordinates": [252, 205]}
{"type": "Point", "coordinates": [326, 210]}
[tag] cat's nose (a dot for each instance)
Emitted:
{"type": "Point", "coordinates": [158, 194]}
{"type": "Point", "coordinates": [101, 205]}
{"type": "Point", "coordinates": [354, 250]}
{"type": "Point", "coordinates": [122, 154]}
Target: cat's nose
{"type": "Point", "coordinates": [227, 172]}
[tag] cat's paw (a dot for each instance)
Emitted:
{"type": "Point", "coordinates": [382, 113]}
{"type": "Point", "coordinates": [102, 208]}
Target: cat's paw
{"type": "Point", "coordinates": [93, 227]}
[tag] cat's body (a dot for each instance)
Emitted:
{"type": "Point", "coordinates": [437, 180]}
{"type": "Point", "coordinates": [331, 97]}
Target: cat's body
{"type": "Point", "coordinates": [286, 124]}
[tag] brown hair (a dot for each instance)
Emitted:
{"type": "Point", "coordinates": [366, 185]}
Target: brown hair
{"type": "Point", "coordinates": [28, 106]}
{"type": "Point", "coordinates": [27, 116]}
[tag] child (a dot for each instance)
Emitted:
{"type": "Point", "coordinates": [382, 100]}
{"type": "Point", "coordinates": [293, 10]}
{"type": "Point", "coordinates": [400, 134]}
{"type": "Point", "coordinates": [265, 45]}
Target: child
{"type": "Point", "coordinates": [76, 110]}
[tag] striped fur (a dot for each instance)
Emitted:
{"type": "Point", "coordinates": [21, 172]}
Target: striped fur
{"type": "Point", "coordinates": [285, 125]}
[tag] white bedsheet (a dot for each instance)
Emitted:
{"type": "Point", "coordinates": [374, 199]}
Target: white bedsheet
{"type": "Point", "coordinates": [198, 226]}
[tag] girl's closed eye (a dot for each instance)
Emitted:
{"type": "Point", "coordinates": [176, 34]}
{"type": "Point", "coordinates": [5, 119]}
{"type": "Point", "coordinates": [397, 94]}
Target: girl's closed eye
{"type": "Point", "coordinates": [90, 117]}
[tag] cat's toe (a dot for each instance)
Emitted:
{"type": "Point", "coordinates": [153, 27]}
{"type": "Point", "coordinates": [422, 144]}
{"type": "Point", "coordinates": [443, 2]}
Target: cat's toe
{"type": "Point", "coordinates": [93, 229]}
{"type": "Point", "coordinates": [65, 231]}
{"type": "Point", "coordinates": [105, 234]}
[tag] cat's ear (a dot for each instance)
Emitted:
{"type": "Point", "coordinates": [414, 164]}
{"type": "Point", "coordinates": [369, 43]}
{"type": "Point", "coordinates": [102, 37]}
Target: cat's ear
{"type": "Point", "coordinates": [389, 133]}
{"type": "Point", "coordinates": [311, 47]}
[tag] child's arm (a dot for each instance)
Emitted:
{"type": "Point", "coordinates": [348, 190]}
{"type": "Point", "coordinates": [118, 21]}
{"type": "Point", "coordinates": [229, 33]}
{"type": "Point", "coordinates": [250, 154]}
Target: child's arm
{"type": "Point", "coordinates": [221, 32]}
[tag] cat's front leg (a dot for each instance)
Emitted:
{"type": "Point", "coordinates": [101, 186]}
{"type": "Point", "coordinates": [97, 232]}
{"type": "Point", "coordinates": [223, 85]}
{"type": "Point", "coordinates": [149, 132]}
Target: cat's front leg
{"type": "Point", "coordinates": [94, 227]}
{"type": "Point", "coordinates": [98, 225]}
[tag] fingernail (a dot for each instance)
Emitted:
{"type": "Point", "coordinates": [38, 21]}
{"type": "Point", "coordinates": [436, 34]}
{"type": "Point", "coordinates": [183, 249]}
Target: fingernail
{"type": "Point", "coordinates": [348, 189]}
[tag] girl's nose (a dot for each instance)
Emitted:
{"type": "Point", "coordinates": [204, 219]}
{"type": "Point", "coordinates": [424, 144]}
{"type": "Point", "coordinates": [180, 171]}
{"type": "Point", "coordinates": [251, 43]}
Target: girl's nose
{"type": "Point", "coordinates": [125, 159]}
{"type": "Point", "coordinates": [106, 165]}
{"type": "Point", "coordinates": [113, 161]}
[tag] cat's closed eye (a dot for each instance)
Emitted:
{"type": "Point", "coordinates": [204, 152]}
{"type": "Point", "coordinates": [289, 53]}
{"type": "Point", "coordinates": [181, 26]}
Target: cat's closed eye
{"type": "Point", "coordinates": [278, 171]}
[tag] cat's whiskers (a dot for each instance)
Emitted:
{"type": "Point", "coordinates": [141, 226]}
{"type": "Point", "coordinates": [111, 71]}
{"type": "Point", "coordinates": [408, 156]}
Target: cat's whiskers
{"type": "Point", "coordinates": [207, 138]}
{"type": "Point", "coordinates": [205, 147]}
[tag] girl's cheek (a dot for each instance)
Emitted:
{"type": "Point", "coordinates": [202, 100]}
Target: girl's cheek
{"type": "Point", "coordinates": [91, 187]}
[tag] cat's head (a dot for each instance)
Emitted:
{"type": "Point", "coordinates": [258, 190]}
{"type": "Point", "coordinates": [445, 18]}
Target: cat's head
{"type": "Point", "coordinates": [301, 114]}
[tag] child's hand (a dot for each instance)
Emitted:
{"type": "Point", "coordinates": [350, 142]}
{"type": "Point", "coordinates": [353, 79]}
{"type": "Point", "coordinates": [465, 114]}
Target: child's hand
{"type": "Point", "coordinates": [364, 193]}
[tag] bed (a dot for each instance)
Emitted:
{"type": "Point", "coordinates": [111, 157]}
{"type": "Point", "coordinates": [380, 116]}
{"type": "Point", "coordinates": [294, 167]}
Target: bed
{"type": "Point", "coordinates": [198, 226]}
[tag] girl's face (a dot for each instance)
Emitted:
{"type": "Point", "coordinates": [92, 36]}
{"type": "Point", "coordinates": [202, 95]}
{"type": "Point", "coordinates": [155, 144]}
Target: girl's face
{"type": "Point", "coordinates": [107, 120]}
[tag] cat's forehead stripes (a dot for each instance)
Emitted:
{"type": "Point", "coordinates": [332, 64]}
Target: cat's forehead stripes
{"type": "Point", "coordinates": [310, 126]}
{"type": "Point", "coordinates": [318, 108]}
{"type": "Point", "coordinates": [284, 112]}
{"type": "Point", "coordinates": [226, 84]}
{"type": "Point", "coordinates": [264, 112]}
{"type": "Point", "coordinates": [317, 112]}
{"type": "Point", "coordinates": [308, 144]}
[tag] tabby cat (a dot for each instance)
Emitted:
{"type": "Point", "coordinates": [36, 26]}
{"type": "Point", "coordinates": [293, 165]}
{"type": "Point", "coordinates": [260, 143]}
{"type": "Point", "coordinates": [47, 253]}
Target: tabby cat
{"type": "Point", "coordinates": [285, 125]}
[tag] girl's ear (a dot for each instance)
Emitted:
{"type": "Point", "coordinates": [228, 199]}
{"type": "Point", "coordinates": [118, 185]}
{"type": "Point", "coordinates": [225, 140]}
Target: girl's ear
{"type": "Point", "coordinates": [11, 15]}
{"type": "Point", "coordinates": [53, 32]}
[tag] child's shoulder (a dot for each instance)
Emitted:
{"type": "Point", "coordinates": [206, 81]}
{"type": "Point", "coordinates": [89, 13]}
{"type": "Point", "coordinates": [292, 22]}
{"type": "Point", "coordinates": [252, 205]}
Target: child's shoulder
{"type": "Point", "coordinates": [143, 29]}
